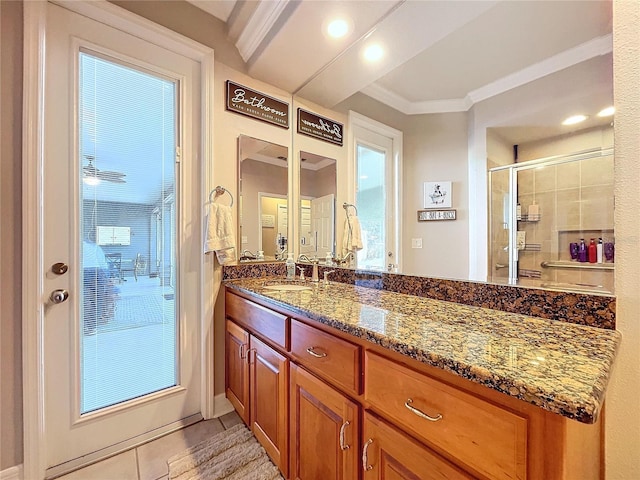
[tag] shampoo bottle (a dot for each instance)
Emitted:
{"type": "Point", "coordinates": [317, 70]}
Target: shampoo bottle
{"type": "Point", "coordinates": [582, 251]}
{"type": "Point", "coordinates": [599, 250]}
{"type": "Point", "coordinates": [593, 251]}
{"type": "Point", "coordinates": [291, 267]}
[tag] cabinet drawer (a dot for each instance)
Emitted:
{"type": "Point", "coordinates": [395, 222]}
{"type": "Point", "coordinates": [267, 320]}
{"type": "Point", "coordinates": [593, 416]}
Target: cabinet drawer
{"type": "Point", "coordinates": [257, 319]}
{"type": "Point", "coordinates": [330, 357]}
{"type": "Point", "coordinates": [389, 453]}
{"type": "Point", "coordinates": [488, 439]}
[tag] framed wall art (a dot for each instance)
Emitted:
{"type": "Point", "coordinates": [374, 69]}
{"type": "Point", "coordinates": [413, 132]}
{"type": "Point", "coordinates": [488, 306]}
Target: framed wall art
{"type": "Point", "coordinates": [437, 195]}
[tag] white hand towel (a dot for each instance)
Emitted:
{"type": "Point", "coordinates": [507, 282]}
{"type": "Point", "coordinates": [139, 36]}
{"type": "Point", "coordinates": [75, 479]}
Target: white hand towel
{"type": "Point", "coordinates": [352, 236]}
{"type": "Point", "coordinates": [219, 233]}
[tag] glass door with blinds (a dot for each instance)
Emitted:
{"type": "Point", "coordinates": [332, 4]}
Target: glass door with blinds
{"type": "Point", "coordinates": [127, 131]}
{"type": "Point", "coordinates": [123, 187]}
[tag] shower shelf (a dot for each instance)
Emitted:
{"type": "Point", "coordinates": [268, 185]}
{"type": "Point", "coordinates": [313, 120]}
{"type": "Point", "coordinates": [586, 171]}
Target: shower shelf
{"type": "Point", "coordinates": [581, 265]}
{"type": "Point", "coordinates": [530, 218]}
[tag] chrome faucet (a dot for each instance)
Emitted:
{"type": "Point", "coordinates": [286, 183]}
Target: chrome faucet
{"type": "Point", "coordinates": [314, 262]}
{"type": "Point", "coordinates": [346, 259]}
{"type": "Point", "coordinates": [247, 255]}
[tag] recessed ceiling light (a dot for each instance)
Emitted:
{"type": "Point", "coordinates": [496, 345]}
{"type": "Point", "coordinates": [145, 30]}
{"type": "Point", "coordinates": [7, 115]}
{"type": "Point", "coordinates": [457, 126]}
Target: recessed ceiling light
{"type": "Point", "coordinates": [574, 119]}
{"type": "Point", "coordinates": [607, 112]}
{"type": "Point", "coordinates": [373, 53]}
{"type": "Point", "coordinates": [338, 28]}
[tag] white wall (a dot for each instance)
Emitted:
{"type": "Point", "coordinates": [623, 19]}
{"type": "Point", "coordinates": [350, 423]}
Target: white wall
{"type": "Point", "coordinates": [435, 149]}
{"type": "Point", "coordinates": [623, 399]}
{"type": "Point", "coordinates": [227, 127]}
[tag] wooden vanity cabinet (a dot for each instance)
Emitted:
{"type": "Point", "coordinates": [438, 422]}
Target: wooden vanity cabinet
{"type": "Point", "coordinates": [388, 453]}
{"type": "Point", "coordinates": [237, 369]}
{"type": "Point", "coordinates": [325, 404]}
{"type": "Point", "coordinates": [488, 439]}
{"type": "Point", "coordinates": [324, 430]}
{"type": "Point", "coordinates": [257, 381]}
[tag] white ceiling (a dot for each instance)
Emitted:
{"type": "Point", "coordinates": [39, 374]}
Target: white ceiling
{"type": "Point", "coordinates": [440, 56]}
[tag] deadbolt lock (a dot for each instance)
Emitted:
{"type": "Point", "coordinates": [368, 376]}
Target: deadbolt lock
{"type": "Point", "coordinates": [59, 268]}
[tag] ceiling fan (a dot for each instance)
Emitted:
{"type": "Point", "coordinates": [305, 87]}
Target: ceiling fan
{"type": "Point", "coordinates": [92, 175]}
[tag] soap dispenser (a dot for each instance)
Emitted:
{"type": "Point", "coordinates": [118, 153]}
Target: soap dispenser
{"type": "Point", "coordinates": [291, 267]}
{"type": "Point", "coordinates": [328, 261]}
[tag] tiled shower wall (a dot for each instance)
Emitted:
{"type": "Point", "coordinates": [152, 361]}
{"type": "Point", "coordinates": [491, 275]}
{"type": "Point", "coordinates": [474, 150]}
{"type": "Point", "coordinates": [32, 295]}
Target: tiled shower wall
{"type": "Point", "coordinates": [575, 201]}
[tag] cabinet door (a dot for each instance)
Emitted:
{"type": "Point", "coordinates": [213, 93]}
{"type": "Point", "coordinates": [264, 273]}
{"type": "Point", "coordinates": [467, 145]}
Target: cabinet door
{"type": "Point", "coordinates": [324, 430]}
{"type": "Point", "coordinates": [389, 454]}
{"type": "Point", "coordinates": [237, 369]}
{"type": "Point", "coordinates": [269, 380]}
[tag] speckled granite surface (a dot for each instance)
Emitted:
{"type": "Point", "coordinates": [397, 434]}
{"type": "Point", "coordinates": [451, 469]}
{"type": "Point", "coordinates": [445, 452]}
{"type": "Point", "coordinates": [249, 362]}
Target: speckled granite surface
{"type": "Point", "coordinates": [582, 309]}
{"type": "Point", "coordinates": [562, 368]}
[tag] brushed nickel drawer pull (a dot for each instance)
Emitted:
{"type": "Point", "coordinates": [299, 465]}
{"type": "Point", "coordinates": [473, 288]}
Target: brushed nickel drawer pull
{"type": "Point", "coordinates": [365, 461]}
{"type": "Point", "coordinates": [248, 354]}
{"type": "Point", "coordinates": [241, 350]}
{"type": "Point", "coordinates": [314, 354]}
{"type": "Point", "coordinates": [342, 445]}
{"type": "Point", "coordinates": [419, 413]}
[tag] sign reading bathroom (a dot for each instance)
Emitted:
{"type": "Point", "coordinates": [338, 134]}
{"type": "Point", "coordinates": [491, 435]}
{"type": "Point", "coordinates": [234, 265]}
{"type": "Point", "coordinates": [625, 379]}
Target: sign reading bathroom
{"type": "Point", "coordinates": [430, 215]}
{"type": "Point", "coordinates": [319, 127]}
{"type": "Point", "coordinates": [257, 105]}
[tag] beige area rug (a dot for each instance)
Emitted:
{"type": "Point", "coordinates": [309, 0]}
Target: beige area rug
{"type": "Point", "coordinates": [234, 454]}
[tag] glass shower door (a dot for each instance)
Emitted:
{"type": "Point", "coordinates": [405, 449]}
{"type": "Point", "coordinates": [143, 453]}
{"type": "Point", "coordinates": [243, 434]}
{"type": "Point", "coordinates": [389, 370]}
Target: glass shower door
{"type": "Point", "coordinates": [539, 208]}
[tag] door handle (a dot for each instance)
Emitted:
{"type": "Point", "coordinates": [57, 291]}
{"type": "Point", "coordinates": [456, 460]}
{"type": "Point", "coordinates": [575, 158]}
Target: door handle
{"type": "Point", "coordinates": [59, 296]}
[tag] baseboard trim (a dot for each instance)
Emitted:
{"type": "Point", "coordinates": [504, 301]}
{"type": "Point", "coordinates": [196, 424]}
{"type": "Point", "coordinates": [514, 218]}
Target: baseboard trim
{"type": "Point", "coordinates": [221, 406]}
{"type": "Point", "coordinates": [11, 473]}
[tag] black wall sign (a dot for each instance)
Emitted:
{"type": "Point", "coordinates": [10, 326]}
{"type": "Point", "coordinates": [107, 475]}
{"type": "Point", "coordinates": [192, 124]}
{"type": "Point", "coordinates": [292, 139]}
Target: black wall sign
{"type": "Point", "coordinates": [257, 105]}
{"type": "Point", "coordinates": [319, 127]}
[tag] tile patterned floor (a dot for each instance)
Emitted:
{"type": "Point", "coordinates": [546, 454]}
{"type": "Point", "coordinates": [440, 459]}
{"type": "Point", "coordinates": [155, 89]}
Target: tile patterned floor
{"type": "Point", "coordinates": [149, 461]}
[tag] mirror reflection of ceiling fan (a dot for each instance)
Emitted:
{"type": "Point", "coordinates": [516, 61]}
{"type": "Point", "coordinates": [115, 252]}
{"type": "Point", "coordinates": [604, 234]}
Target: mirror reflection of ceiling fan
{"type": "Point", "coordinates": [93, 175]}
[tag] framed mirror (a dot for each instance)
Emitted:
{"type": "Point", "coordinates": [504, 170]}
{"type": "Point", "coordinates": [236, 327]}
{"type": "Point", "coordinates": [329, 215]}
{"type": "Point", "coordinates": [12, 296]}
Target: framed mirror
{"type": "Point", "coordinates": [318, 190]}
{"type": "Point", "coordinates": [263, 206]}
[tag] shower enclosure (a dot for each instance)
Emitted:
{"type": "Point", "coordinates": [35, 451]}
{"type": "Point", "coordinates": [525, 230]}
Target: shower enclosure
{"type": "Point", "coordinates": [539, 208]}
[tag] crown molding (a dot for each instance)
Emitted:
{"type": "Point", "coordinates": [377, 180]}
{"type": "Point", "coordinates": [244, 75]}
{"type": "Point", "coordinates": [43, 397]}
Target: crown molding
{"type": "Point", "coordinates": [392, 99]}
{"type": "Point", "coordinates": [585, 51]}
{"type": "Point", "coordinates": [258, 27]}
{"type": "Point", "coordinates": [403, 105]}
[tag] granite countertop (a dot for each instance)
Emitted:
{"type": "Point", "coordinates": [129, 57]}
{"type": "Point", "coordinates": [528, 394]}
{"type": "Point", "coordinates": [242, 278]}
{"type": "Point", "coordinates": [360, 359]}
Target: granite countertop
{"type": "Point", "coordinates": [561, 367]}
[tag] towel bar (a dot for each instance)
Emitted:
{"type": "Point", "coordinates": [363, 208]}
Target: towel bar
{"type": "Point", "coordinates": [219, 190]}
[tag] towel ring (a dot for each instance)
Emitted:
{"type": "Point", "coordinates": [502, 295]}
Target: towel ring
{"type": "Point", "coordinates": [346, 206]}
{"type": "Point", "coordinates": [219, 191]}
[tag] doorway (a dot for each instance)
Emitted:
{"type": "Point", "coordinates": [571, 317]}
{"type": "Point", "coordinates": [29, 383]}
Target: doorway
{"type": "Point", "coordinates": [112, 360]}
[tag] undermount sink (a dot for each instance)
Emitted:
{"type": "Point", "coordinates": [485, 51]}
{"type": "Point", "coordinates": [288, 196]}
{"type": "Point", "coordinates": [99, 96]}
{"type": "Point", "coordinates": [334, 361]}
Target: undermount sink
{"type": "Point", "coordinates": [287, 287]}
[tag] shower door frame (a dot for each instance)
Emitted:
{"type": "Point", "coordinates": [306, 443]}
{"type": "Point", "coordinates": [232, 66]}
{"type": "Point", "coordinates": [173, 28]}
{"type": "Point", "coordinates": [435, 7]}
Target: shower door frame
{"type": "Point", "coordinates": [514, 169]}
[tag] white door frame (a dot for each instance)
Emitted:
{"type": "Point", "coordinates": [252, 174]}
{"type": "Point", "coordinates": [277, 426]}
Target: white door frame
{"type": "Point", "coordinates": [33, 269]}
{"type": "Point", "coordinates": [272, 195]}
{"type": "Point", "coordinates": [359, 120]}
